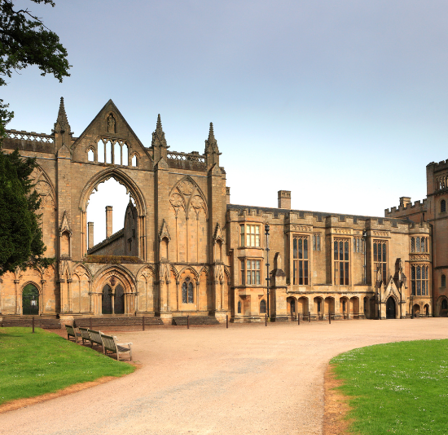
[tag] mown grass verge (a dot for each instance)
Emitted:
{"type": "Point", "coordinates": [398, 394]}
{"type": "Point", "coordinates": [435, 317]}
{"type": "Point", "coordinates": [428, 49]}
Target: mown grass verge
{"type": "Point", "coordinates": [39, 363]}
{"type": "Point", "coordinates": [397, 388]}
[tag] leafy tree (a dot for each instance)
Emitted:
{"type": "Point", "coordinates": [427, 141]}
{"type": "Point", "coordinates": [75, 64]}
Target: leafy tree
{"type": "Point", "coordinates": [24, 41]}
{"type": "Point", "coordinates": [21, 242]}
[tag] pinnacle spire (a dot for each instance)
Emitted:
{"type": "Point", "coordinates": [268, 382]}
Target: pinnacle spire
{"type": "Point", "coordinates": [211, 134]}
{"type": "Point", "coordinates": [211, 144]}
{"type": "Point", "coordinates": [62, 120]}
{"type": "Point", "coordinates": [158, 137]}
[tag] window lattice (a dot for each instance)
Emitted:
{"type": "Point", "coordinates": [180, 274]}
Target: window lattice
{"type": "Point", "coordinates": [300, 260]}
{"type": "Point", "coordinates": [341, 258]}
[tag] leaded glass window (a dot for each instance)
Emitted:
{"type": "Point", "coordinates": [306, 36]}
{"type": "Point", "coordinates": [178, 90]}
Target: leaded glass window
{"type": "Point", "coordinates": [341, 258]}
{"type": "Point", "coordinates": [300, 260]}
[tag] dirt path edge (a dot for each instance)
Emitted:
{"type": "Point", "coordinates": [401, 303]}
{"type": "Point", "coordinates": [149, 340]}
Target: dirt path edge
{"type": "Point", "coordinates": [336, 406]}
{"type": "Point", "coordinates": [23, 403]}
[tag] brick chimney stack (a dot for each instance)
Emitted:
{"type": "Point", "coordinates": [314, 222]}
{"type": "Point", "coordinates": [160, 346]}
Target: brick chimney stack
{"type": "Point", "coordinates": [404, 201]}
{"type": "Point", "coordinates": [284, 199]}
{"type": "Point", "coordinates": [108, 221]}
{"type": "Point", "coordinates": [90, 234]}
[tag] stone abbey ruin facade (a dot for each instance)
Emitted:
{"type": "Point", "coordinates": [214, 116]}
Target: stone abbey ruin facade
{"type": "Point", "coordinates": [186, 250]}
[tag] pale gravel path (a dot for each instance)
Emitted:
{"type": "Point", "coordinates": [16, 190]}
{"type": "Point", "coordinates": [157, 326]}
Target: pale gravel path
{"type": "Point", "coordinates": [248, 379]}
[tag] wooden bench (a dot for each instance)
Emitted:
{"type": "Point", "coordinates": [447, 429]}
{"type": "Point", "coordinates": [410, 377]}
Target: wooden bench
{"type": "Point", "coordinates": [85, 335]}
{"type": "Point", "coordinates": [110, 344]}
{"type": "Point", "coordinates": [95, 337]}
{"type": "Point", "coordinates": [72, 332]}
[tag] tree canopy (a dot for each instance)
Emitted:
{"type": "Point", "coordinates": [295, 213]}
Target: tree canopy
{"type": "Point", "coordinates": [26, 41]}
{"type": "Point", "coordinates": [21, 242]}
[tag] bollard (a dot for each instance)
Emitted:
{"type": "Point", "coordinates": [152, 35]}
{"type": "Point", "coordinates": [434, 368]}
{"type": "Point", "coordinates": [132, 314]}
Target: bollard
{"type": "Point", "coordinates": [298, 319]}
{"type": "Point", "coordinates": [227, 321]}
{"type": "Point", "coordinates": [309, 317]}
{"type": "Point", "coordinates": [329, 318]}
{"type": "Point", "coordinates": [90, 323]}
{"type": "Point", "coordinates": [188, 322]}
{"type": "Point", "coordinates": [32, 323]}
{"type": "Point", "coordinates": [265, 320]}
{"type": "Point", "coordinates": [143, 323]}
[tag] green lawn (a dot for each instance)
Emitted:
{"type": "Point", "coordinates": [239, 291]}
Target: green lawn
{"type": "Point", "coordinates": [34, 364]}
{"type": "Point", "coordinates": [397, 388]}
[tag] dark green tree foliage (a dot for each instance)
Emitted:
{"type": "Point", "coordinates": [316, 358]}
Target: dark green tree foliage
{"type": "Point", "coordinates": [21, 242]}
{"type": "Point", "coordinates": [25, 41]}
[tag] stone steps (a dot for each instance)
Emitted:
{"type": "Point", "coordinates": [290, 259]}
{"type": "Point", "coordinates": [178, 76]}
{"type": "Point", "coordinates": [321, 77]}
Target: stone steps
{"type": "Point", "coordinates": [195, 320]}
{"type": "Point", "coordinates": [27, 322]}
{"type": "Point", "coordinates": [116, 321]}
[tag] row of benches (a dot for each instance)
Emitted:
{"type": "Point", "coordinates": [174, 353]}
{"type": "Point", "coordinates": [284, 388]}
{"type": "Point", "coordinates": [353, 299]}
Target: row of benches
{"type": "Point", "coordinates": [107, 342]}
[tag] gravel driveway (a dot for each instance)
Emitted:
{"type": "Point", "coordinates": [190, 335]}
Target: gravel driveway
{"type": "Point", "coordinates": [248, 379]}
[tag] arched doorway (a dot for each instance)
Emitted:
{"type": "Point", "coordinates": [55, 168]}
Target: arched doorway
{"type": "Point", "coordinates": [107, 300]}
{"type": "Point", "coordinates": [119, 300]}
{"type": "Point", "coordinates": [391, 308]}
{"type": "Point", "coordinates": [444, 308]}
{"type": "Point", "coordinates": [416, 310]}
{"type": "Point", "coordinates": [427, 310]}
{"type": "Point", "coordinates": [30, 300]}
{"type": "Point", "coordinates": [291, 306]}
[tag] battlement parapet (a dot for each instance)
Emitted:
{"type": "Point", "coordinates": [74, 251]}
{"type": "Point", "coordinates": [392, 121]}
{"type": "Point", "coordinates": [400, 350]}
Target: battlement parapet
{"type": "Point", "coordinates": [440, 166]}
{"type": "Point", "coordinates": [417, 206]}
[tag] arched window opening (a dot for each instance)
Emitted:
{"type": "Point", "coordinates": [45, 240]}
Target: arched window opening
{"type": "Point", "coordinates": [442, 206]}
{"type": "Point", "coordinates": [109, 193]}
{"type": "Point", "coordinates": [100, 151]}
{"type": "Point", "coordinates": [107, 300]}
{"type": "Point", "coordinates": [108, 152]}
{"type": "Point", "coordinates": [418, 244]}
{"type": "Point", "coordinates": [412, 244]}
{"type": "Point", "coordinates": [30, 300]}
{"type": "Point", "coordinates": [134, 160]}
{"type": "Point", "coordinates": [119, 300]}
{"type": "Point", "coordinates": [117, 154]}
{"type": "Point", "coordinates": [91, 156]}
{"type": "Point", "coordinates": [124, 155]}
{"type": "Point", "coordinates": [239, 307]}
{"type": "Point", "coordinates": [262, 306]}
{"type": "Point", "coordinates": [190, 293]}
{"type": "Point", "coordinates": [187, 292]}
{"type": "Point", "coordinates": [184, 293]}
{"type": "Point", "coordinates": [443, 281]}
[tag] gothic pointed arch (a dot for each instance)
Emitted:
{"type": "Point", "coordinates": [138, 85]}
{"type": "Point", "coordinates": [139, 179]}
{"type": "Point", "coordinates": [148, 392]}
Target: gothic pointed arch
{"type": "Point", "coordinates": [187, 192]}
{"type": "Point", "coordinates": [65, 225]}
{"type": "Point", "coordinates": [82, 269]}
{"type": "Point", "coordinates": [191, 270]}
{"type": "Point", "coordinates": [44, 186]}
{"type": "Point", "coordinates": [164, 233]}
{"type": "Point", "coordinates": [123, 179]}
{"type": "Point", "coordinates": [117, 271]}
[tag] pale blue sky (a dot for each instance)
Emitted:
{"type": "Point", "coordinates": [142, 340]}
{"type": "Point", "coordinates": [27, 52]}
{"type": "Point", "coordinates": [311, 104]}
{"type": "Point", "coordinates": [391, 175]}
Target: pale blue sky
{"type": "Point", "coordinates": [343, 103]}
